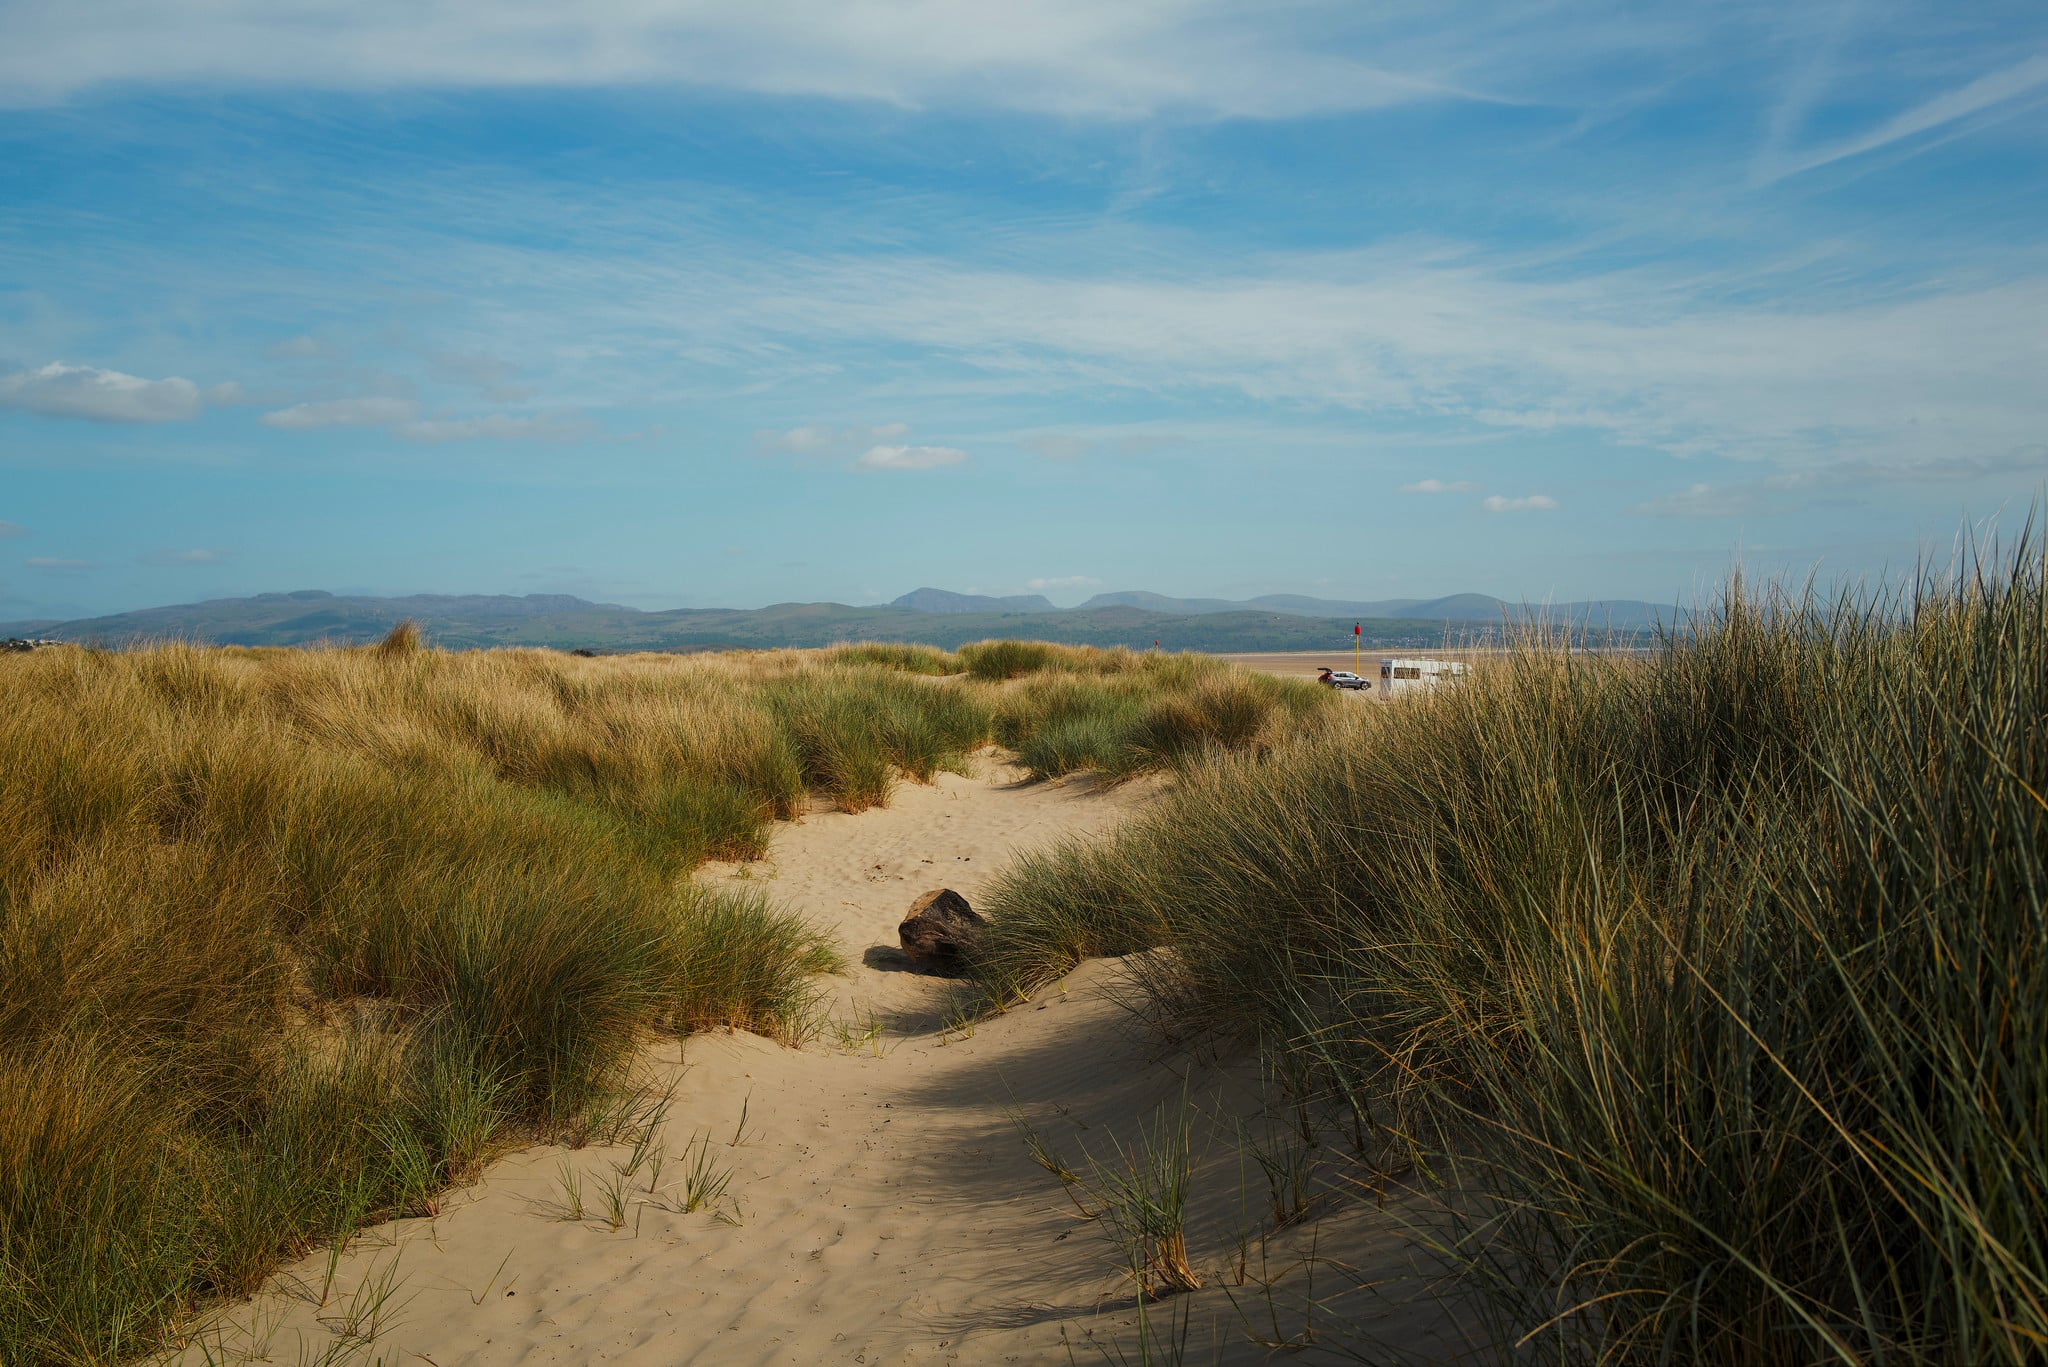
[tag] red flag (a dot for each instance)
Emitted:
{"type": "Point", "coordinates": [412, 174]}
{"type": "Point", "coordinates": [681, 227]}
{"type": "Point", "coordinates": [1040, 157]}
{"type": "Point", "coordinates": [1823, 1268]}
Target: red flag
{"type": "Point", "coordinates": [1358, 628]}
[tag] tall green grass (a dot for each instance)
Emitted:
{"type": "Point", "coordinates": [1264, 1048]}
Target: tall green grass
{"type": "Point", "coordinates": [911, 659]}
{"type": "Point", "coordinates": [998, 660]}
{"type": "Point", "coordinates": [1147, 712]}
{"type": "Point", "coordinates": [1716, 984]}
{"type": "Point", "coordinates": [851, 727]}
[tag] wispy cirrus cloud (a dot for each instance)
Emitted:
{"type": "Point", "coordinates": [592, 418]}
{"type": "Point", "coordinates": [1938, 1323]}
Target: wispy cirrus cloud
{"type": "Point", "coordinates": [401, 417]}
{"type": "Point", "coordinates": [2004, 92]}
{"type": "Point", "coordinates": [58, 390]}
{"type": "Point", "coordinates": [1440, 486]}
{"type": "Point", "coordinates": [1740, 499]}
{"type": "Point", "coordinates": [877, 447]}
{"type": "Point", "coordinates": [1854, 479]}
{"type": "Point", "coordinates": [1748, 362]}
{"type": "Point", "coordinates": [825, 439]}
{"type": "Point", "coordinates": [1065, 581]}
{"type": "Point", "coordinates": [56, 564]}
{"type": "Point", "coordinates": [1066, 57]}
{"type": "Point", "coordinates": [909, 457]}
{"type": "Point", "coordinates": [369, 411]}
{"type": "Point", "coordinates": [1689, 367]}
{"type": "Point", "coordinates": [9, 530]}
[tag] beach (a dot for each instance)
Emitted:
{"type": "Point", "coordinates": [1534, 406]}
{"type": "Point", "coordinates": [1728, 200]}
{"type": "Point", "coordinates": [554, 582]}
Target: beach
{"type": "Point", "coordinates": [881, 1206]}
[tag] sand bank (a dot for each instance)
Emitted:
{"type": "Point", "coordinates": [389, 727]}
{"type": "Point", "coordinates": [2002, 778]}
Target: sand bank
{"type": "Point", "coordinates": [881, 1207]}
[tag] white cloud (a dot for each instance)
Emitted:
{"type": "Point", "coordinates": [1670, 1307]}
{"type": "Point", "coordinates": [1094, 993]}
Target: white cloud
{"type": "Point", "coordinates": [58, 390]}
{"type": "Point", "coordinates": [1707, 500]}
{"type": "Point", "coordinates": [1070, 581]}
{"type": "Point", "coordinates": [367, 412]}
{"type": "Point", "coordinates": [1495, 503]}
{"type": "Point", "coordinates": [1686, 366]}
{"type": "Point", "coordinates": [401, 418]}
{"type": "Point", "coordinates": [1785, 490]}
{"type": "Point", "coordinates": [1068, 57]}
{"type": "Point", "coordinates": [57, 563]}
{"type": "Point", "coordinates": [909, 457]}
{"type": "Point", "coordinates": [1438, 486]}
{"type": "Point", "coordinates": [178, 559]}
{"type": "Point", "coordinates": [797, 441]}
{"type": "Point", "coordinates": [823, 439]}
{"type": "Point", "coordinates": [1793, 365]}
{"type": "Point", "coordinates": [11, 529]}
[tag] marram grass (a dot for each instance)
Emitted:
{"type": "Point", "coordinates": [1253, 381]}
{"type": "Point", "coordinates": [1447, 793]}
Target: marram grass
{"type": "Point", "coordinates": [1715, 983]}
{"type": "Point", "coordinates": [292, 939]}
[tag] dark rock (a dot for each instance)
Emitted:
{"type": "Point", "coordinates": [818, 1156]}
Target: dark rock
{"type": "Point", "coordinates": [940, 929]}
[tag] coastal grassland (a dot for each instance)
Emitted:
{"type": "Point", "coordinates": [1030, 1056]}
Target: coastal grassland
{"type": "Point", "coordinates": [1121, 712]}
{"type": "Point", "coordinates": [1116, 712]}
{"type": "Point", "coordinates": [291, 940]}
{"type": "Point", "coordinates": [911, 659]}
{"type": "Point", "coordinates": [1712, 987]}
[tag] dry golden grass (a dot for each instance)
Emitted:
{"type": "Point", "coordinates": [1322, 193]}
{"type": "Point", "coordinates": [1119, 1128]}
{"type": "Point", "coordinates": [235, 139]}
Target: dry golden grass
{"type": "Point", "coordinates": [291, 939]}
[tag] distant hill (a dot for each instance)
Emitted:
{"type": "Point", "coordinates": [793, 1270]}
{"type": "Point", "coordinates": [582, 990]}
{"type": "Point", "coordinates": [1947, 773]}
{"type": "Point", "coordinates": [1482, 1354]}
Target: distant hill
{"type": "Point", "coordinates": [311, 617]}
{"type": "Point", "coordinates": [1159, 602]}
{"type": "Point", "coordinates": [933, 616]}
{"type": "Point", "coordinates": [1620, 614]}
{"type": "Point", "coordinates": [940, 600]}
{"type": "Point", "coordinates": [1325, 607]}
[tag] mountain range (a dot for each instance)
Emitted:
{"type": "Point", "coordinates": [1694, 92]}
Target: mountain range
{"type": "Point", "coordinates": [931, 616]}
{"type": "Point", "coordinates": [1623, 614]}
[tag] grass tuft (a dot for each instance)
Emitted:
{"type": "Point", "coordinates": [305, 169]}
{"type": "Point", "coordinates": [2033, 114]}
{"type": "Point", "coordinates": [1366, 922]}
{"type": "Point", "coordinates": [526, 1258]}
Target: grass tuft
{"type": "Point", "coordinates": [911, 659]}
{"type": "Point", "coordinates": [1716, 980]}
{"type": "Point", "coordinates": [1138, 1197]}
{"type": "Point", "coordinates": [402, 640]}
{"type": "Point", "coordinates": [739, 963]}
{"type": "Point", "coordinates": [1120, 713]}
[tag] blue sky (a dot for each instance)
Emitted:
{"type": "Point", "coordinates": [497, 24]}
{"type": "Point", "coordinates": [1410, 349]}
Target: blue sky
{"type": "Point", "coordinates": [718, 304]}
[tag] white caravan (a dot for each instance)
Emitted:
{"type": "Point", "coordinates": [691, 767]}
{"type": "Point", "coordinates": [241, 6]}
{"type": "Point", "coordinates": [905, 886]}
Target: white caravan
{"type": "Point", "coordinates": [1417, 674]}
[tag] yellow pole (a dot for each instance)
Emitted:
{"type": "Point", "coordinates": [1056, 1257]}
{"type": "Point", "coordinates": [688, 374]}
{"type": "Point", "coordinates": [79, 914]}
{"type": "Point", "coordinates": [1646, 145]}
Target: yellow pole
{"type": "Point", "coordinates": [1357, 640]}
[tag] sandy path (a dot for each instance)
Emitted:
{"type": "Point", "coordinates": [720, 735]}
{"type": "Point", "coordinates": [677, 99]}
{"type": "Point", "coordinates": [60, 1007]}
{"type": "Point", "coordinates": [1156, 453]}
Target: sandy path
{"type": "Point", "coordinates": [881, 1207]}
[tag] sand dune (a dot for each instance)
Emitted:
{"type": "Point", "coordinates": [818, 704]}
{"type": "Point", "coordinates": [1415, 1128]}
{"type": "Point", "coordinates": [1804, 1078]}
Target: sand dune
{"type": "Point", "coordinates": [881, 1207]}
